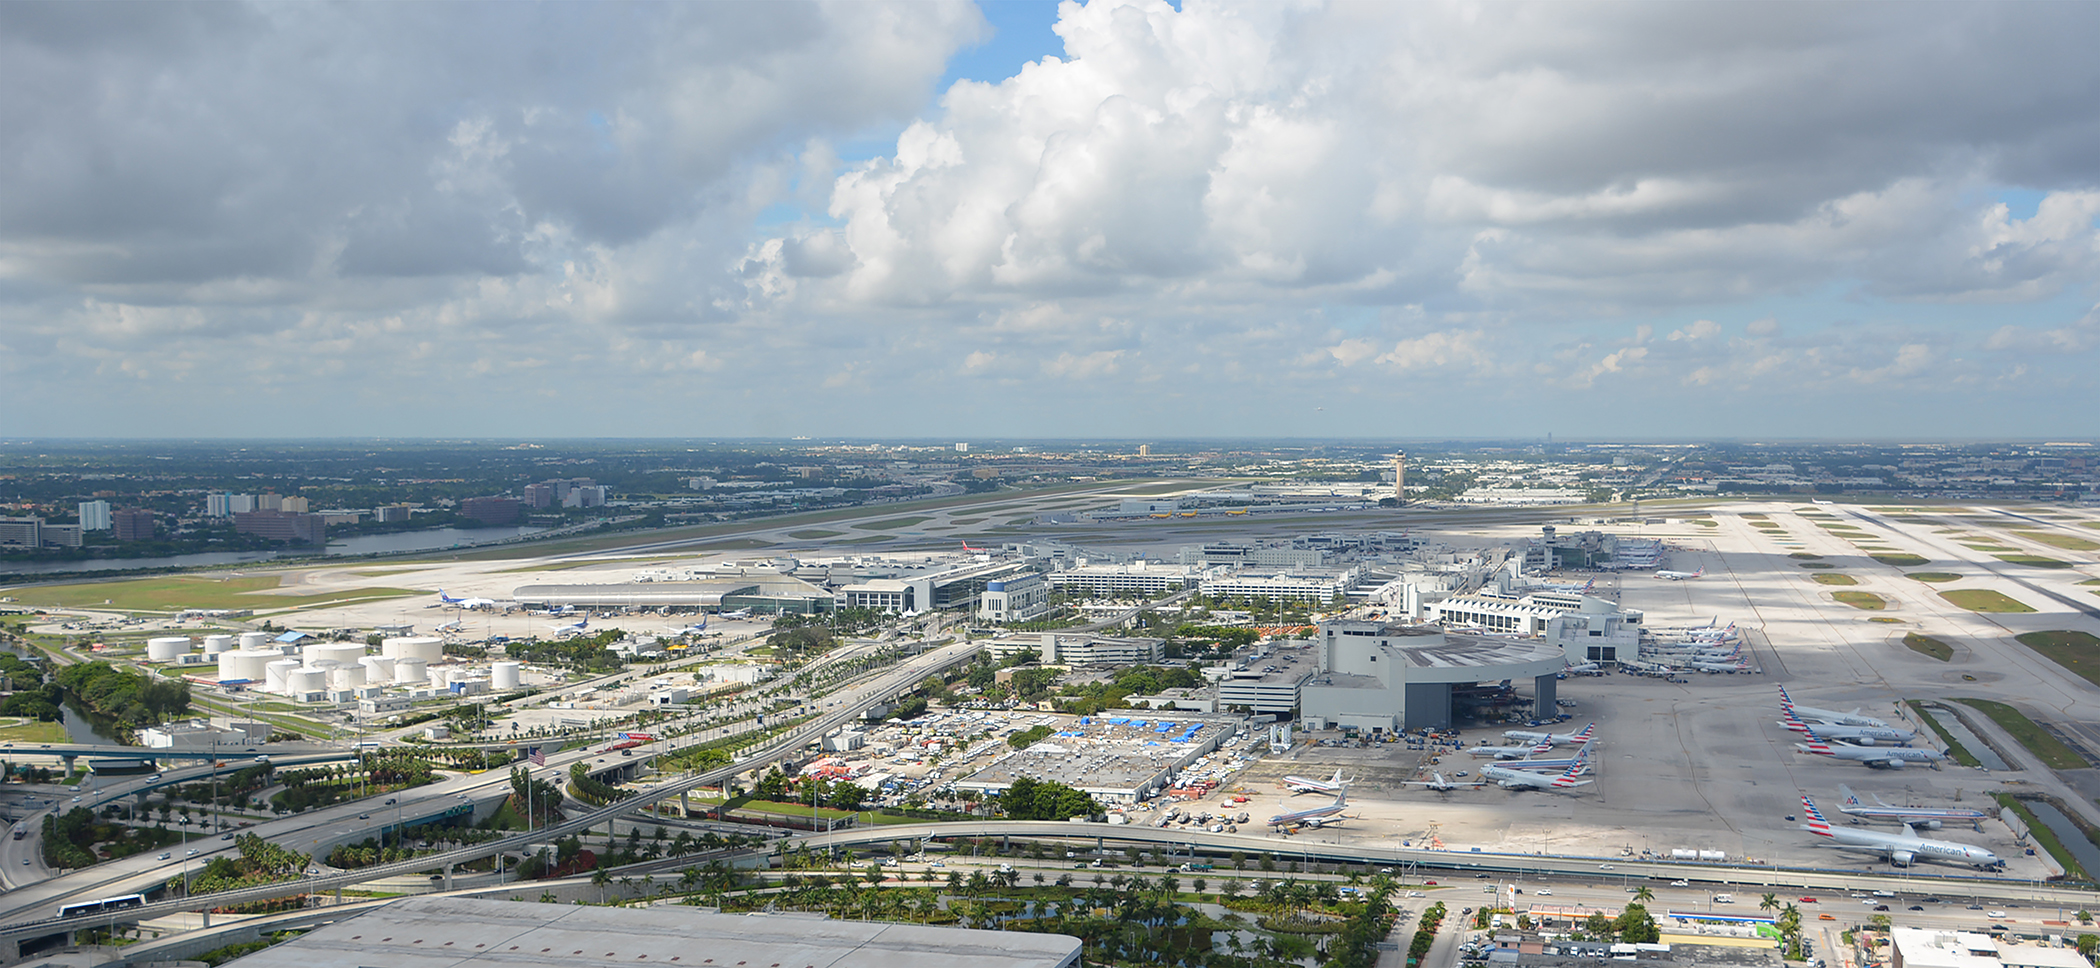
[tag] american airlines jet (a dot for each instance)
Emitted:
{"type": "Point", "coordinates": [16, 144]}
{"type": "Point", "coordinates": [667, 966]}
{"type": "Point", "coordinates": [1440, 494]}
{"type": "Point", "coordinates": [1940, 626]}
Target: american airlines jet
{"type": "Point", "coordinates": [1509, 752]}
{"type": "Point", "coordinates": [1930, 818]}
{"type": "Point", "coordinates": [1527, 736]}
{"type": "Point", "coordinates": [1680, 575]}
{"type": "Point", "coordinates": [1883, 757]}
{"type": "Point", "coordinates": [1300, 784]}
{"type": "Point", "coordinates": [1515, 779]}
{"type": "Point", "coordinates": [1858, 735]}
{"type": "Point", "coordinates": [1901, 849]}
{"type": "Point", "coordinates": [1317, 816]}
{"type": "Point", "coordinates": [1812, 714]}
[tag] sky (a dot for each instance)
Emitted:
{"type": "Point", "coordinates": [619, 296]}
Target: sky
{"type": "Point", "coordinates": [1115, 219]}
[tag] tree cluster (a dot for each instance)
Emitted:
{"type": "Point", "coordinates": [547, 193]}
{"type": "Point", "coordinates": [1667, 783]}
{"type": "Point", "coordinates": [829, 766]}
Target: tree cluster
{"type": "Point", "coordinates": [131, 697]}
{"type": "Point", "coordinates": [1032, 799]}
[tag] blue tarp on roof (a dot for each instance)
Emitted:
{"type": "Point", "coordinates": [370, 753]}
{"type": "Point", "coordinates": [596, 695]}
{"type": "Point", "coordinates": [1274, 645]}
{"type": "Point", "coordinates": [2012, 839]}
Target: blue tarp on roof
{"type": "Point", "coordinates": [291, 637]}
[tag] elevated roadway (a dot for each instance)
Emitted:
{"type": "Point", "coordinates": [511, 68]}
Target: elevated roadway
{"type": "Point", "coordinates": [852, 703]}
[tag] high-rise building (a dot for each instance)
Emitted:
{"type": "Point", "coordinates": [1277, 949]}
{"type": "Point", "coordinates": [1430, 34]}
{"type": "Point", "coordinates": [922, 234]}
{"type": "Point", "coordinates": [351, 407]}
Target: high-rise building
{"type": "Point", "coordinates": [132, 524]}
{"type": "Point", "coordinates": [283, 526]}
{"type": "Point", "coordinates": [1144, 450]}
{"type": "Point", "coordinates": [490, 510]}
{"type": "Point", "coordinates": [21, 532]}
{"type": "Point", "coordinates": [538, 495]}
{"type": "Point", "coordinates": [391, 513]}
{"type": "Point", "coordinates": [270, 501]}
{"type": "Point", "coordinates": [94, 515]}
{"type": "Point", "coordinates": [962, 448]}
{"type": "Point", "coordinates": [294, 505]}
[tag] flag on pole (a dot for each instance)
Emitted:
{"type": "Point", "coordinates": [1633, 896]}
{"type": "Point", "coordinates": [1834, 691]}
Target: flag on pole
{"type": "Point", "coordinates": [538, 758]}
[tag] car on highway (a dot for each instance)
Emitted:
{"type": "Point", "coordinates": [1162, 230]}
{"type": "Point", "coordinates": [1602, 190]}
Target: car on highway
{"type": "Point", "coordinates": [1881, 907]}
{"type": "Point", "coordinates": [167, 856]}
{"type": "Point", "coordinates": [1545, 892]}
{"type": "Point", "coordinates": [1680, 883]}
{"type": "Point", "coordinates": [192, 852]}
{"type": "Point", "coordinates": [1994, 914]}
{"type": "Point", "coordinates": [1808, 900]}
{"type": "Point", "coordinates": [364, 816]}
{"type": "Point", "coordinates": [1917, 907]}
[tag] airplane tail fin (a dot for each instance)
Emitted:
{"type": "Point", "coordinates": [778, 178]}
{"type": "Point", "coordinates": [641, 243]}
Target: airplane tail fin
{"type": "Point", "coordinates": [1701, 573]}
{"type": "Point", "coordinates": [1786, 702]}
{"type": "Point", "coordinates": [1816, 824]}
{"type": "Point", "coordinates": [1587, 732]}
{"type": "Point", "coordinates": [1337, 780]}
{"type": "Point", "coordinates": [1851, 798]}
{"type": "Point", "coordinates": [1568, 777]}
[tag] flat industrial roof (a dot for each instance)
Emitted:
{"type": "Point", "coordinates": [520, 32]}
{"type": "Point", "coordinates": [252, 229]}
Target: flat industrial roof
{"type": "Point", "coordinates": [445, 932]}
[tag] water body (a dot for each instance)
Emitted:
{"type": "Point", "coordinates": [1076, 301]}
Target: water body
{"type": "Point", "coordinates": [437, 539]}
{"type": "Point", "coordinates": [2073, 838]}
{"type": "Point", "coordinates": [86, 727]}
{"type": "Point", "coordinates": [1975, 744]}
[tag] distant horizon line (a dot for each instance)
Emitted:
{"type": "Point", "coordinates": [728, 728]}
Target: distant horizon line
{"type": "Point", "coordinates": [1132, 441]}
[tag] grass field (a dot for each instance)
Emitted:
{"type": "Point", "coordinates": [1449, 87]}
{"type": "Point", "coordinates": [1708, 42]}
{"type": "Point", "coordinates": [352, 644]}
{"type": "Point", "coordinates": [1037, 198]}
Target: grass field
{"type": "Point", "coordinates": [1933, 576]}
{"type": "Point", "coordinates": [1835, 579]}
{"type": "Point", "coordinates": [811, 534]}
{"type": "Point", "coordinates": [2043, 836]}
{"type": "Point", "coordinates": [1862, 600]}
{"type": "Point", "coordinates": [31, 731]}
{"type": "Point", "coordinates": [1927, 645]}
{"type": "Point", "coordinates": [2038, 741]}
{"type": "Point", "coordinates": [2068, 542]}
{"type": "Point", "coordinates": [176, 592]}
{"type": "Point", "coordinates": [892, 524]}
{"type": "Point", "coordinates": [2036, 561]}
{"type": "Point", "coordinates": [2072, 649]}
{"type": "Point", "coordinates": [1755, 514]}
{"type": "Point", "coordinates": [1817, 564]}
{"type": "Point", "coordinates": [1900, 559]}
{"type": "Point", "coordinates": [1806, 556]}
{"type": "Point", "coordinates": [1984, 600]}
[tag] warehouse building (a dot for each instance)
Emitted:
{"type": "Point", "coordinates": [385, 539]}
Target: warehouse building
{"type": "Point", "coordinates": [1383, 677]}
{"type": "Point", "coordinates": [470, 932]}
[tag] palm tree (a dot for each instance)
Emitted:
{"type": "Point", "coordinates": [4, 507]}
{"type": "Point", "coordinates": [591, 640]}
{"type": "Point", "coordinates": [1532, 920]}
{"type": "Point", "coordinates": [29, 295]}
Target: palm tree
{"type": "Point", "coordinates": [1768, 903]}
{"type": "Point", "coordinates": [599, 879]}
{"type": "Point", "coordinates": [1644, 895]}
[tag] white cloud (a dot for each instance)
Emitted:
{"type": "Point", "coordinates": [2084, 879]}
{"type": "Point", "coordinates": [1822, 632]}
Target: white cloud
{"type": "Point", "coordinates": [1283, 198]}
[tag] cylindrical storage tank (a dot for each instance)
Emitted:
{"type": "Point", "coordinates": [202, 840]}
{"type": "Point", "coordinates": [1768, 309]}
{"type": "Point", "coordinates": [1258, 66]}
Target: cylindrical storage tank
{"type": "Point", "coordinates": [167, 648]}
{"type": "Point", "coordinates": [341, 653]}
{"type": "Point", "coordinates": [503, 676]}
{"type": "Point", "coordinates": [425, 647]}
{"type": "Point", "coordinates": [303, 681]}
{"type": "Point", "coordinates": [346, 677]}
{"type": "Point", "coordinates": [255, 640]}
{"type": "Point", "coordinates": [248, 664]}
{"type": "Point", "coordinates": [276, 673]}
{"type": "Point", "coordinates": [216, 644]}
{"type": "Point", "coordinates": [440, 677]}
{"type": "Point", "coordinates": [410, 670]}
{"type": "Point", "coordinates": [378, 668]}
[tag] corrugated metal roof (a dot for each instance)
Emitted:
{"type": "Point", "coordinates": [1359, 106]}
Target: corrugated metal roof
{"type": "Point", "coordinates": [445, 932]}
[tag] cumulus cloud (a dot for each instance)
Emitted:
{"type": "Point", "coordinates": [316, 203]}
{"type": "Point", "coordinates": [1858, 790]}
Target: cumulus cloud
{"type": "Point", "coordinates": [1279, 197]}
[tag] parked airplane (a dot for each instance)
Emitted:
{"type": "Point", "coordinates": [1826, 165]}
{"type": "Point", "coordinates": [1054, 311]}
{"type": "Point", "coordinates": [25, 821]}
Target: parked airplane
{"type": "Point", "coordinates": [1812, 714]}
{"type": "Point", "coordinates": [1437, 782]}
{"type": "Point", "coordinates": [1585, 669]}
{"type": "Point", "coordinates": [1508, 752]}
{"type": "Point", "coordinates": [1515, 779]}
{"type": "Point", "coordinates": [1680, 575]}
{"type": "Point", "coordinates": [1299, 784]}
{"type": "Point", "coordinates": [578, 627]}
{"type": "Point", "coordinates": [691, 629]}
{"type": "Point", "coordinates": [465, 602]}
{"type": "Point", "coordinates": [1930, 818]}
{"type": "Point", "coordinates": [1577, 738]}
{"type": "Point", "coordinates": [1901, 849]}
{"type": "Point", "coordinates": [739, 613]}
{"type": "Point", "coordinates": [1885, 757]}
{"type": "Point", "coordinates": [1317, 816]}
{"type": "Point", "coordinates": [1856, 735]}
{"type": "Point", "coordinates": [1729, 668]}
{"type": "Point", "coordinates": [452, 626]}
